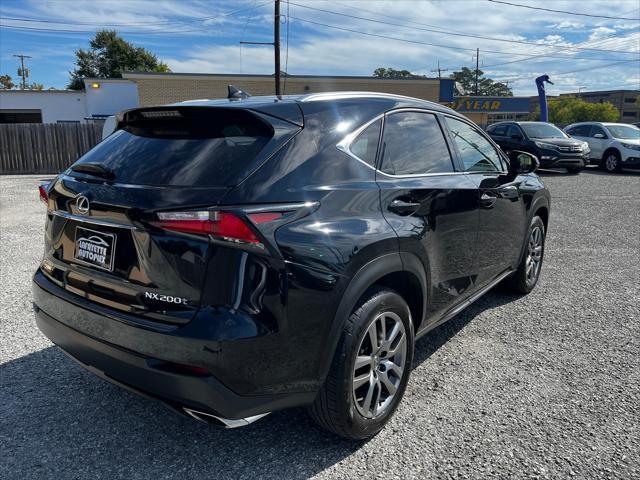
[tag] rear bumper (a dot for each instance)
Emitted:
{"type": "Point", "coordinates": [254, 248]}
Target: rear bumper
{"type": "Point", "coordinates": [160, 377]}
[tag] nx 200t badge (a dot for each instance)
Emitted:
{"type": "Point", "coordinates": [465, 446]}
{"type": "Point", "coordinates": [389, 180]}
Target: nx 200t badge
{"type": "Point", "coordinates": [165, 298]}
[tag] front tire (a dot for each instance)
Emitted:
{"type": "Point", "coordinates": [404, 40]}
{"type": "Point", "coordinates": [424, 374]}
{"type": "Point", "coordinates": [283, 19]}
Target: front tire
{"type": "Point", "coordinates": [611, 161]}
{"type": "Point", "coordinates": [526, 277]}
{"type": "Point", "coordinates": [370, 368]}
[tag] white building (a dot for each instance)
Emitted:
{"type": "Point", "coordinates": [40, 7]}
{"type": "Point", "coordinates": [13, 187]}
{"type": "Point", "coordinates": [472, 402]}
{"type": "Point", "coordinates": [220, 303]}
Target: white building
{"type": "Point", "coordinates": [101, 98]}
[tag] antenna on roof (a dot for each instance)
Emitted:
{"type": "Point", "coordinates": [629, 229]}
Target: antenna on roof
{"type": "Point", "coordinates": [236, 94]}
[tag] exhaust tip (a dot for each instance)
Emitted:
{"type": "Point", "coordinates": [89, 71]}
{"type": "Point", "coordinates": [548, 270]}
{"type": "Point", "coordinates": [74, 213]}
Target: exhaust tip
{"type": "Point", "coordinates": [222, 422]}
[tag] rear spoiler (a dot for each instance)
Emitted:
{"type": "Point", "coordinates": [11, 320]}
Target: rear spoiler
{"type": "Point", "coordinates": [289, 112]}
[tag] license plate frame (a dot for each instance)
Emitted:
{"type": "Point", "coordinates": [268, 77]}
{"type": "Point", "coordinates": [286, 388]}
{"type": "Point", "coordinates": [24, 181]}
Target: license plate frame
{"type": "Point", "coordinates": [98, 249]}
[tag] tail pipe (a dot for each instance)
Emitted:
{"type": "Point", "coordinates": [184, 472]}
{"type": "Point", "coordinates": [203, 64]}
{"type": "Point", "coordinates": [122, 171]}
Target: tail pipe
{"type": "Point", "coordinates": [222, 422]}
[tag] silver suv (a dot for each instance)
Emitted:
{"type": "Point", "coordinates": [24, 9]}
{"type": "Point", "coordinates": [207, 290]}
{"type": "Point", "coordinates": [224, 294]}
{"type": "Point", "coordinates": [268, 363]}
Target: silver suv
{"type": "Point", "coordinates": [614, 146]}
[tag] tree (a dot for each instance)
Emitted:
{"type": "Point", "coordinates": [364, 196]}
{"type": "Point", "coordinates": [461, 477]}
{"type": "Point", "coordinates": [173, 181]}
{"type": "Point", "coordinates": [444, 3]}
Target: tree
{"type": "Point", "coordinates": [567, 109]}
{"type": "Point", "coordinates": [6, 82]}
{"type": "Point", "coordinates": [466, 79]}
{"type": "Point", "coordinates": [35, 86]}
{"type": "Point", "coordinates": [108, 56]}
{"type": "Point", "coordinates": [392, 73]}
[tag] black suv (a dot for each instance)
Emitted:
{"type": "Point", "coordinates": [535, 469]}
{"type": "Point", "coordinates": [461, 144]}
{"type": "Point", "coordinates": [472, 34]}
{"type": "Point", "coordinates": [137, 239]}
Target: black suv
{"type": "Point", "coordinates": [553, 147]}
{"type": "Point", "coordinates": [232, 258]}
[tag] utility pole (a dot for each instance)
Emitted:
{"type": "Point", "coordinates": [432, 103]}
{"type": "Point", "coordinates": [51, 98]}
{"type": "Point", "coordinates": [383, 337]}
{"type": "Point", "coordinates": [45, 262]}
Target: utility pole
{"type": "Point", "coordinates": [23, 72]}
{"type": "Point", "coordinates": [477, 68]}
{"type": "Point", "coordinates": [275, 43]}
{"type": "Point", "coordinates": [439, 70]}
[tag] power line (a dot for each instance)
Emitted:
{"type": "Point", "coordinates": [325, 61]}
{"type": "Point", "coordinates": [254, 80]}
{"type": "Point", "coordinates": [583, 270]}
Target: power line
{"type": "Point", "coordinates": [515, 79]}
{"type": "Point", "coordinates": [122, 24]}
{"type": "Point", "coordinates": [415, 42]}
{"type": "Point", "coordinates": [561, 11]}
{"type": "Point", "coordinates": [445, 32]}
{"type": "Point", "coordinates": [140, 32]}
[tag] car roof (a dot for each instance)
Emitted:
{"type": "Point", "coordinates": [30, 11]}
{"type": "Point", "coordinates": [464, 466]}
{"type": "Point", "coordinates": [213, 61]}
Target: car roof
{"type": "Point", "coordinates": [253, 102]}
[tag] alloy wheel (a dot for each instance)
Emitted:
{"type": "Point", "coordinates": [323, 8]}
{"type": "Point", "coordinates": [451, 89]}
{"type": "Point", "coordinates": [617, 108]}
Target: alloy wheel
{"type": "Point", "coordinates": [379, 365]}
{"type": "Point", "coordinates": [611, 163]}
{"type": "Point", "coordinates": [534, 255]}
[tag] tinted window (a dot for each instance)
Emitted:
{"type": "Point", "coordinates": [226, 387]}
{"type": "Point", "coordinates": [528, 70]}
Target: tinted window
{"type": "Point", "coordinates": [514, 130]}
{"type": "Point", "coordinates": [580, 131]}
{"type": "Point", "coordinates": [365, 145]}
{"type": "Point", "coordinates": [597, 129]}
{"type": "Point", "coordinates": [204, 147]}
{"type": "Point", "coordinates": [476, 152]}
{"type": "Point", "coordinates": [413, 143]}
{"type": "Point", "coordinates": [500, 130]}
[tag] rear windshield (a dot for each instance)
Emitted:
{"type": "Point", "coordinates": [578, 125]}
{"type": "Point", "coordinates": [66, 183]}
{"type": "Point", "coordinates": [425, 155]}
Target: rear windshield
{"type": "Point", "coordinates": [198, 147]}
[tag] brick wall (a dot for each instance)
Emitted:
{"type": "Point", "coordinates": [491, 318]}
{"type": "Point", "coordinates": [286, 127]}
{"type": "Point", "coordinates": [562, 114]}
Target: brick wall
{"type": "Point", "coordinates": [161, 89]}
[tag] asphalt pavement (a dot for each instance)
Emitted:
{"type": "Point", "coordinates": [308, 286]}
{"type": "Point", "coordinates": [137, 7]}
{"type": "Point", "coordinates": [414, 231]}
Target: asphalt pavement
{"type": "Point", "coordinates": [542, 386]}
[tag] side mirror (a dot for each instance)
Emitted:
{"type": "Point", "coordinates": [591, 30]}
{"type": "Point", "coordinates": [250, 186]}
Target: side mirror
{"type": "Point", "coordinates": [521, 163]}
{"type": "Point", "coordinates": [599, 135]}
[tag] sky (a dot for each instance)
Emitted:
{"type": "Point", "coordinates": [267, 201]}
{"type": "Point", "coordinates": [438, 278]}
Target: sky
{"type": "Point", "coordinates": [578, 49]}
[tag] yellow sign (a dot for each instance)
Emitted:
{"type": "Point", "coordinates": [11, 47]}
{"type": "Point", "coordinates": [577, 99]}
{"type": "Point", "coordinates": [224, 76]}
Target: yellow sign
{"type": "Point", "coordinates": [467, 104]}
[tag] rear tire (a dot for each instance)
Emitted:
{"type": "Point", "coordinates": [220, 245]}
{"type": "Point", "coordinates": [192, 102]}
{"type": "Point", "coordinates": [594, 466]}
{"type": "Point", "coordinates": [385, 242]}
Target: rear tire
{"type": "Point", "coordinates": [526, 277]}
{"type": "Point", "coordinates": [370, 368]}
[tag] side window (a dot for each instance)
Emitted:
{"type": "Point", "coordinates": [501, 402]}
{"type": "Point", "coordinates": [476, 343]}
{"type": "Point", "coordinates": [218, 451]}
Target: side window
{"type": "Point", "coordinates": [476, 153]}
{"type": "Point", "coordinates": [513, 130]}
{"type": "Point", "coordinates": [499, 131]}
{"type": "Point", "coordinates": [413, 144]}
{"type": "Point", "coordinates": [365, 146]}
{"type": "Point", "coordinates": [580, 131]}
{"type": "Point", "coordinates": [597, 129]}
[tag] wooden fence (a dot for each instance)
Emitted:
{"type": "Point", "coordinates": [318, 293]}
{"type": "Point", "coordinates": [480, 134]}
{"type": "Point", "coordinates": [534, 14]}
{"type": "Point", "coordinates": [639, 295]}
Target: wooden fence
{"type": "Point", "coordinates": [44, 148]}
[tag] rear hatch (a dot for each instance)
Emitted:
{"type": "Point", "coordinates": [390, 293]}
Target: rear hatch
{"type": "Point", "coordinates": [103, 239]}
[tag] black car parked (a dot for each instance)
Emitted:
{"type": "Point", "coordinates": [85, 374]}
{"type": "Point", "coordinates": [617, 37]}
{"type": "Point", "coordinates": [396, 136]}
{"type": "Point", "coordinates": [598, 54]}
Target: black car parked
{"type": "Point", "coordinates": [232, 258]}
{"type": "Point", "coordinates": [553, 147]}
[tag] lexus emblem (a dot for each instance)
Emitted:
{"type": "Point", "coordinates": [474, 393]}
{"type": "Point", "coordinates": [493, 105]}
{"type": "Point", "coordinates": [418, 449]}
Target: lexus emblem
{"type": "Point", "coordinates": [82, 203]}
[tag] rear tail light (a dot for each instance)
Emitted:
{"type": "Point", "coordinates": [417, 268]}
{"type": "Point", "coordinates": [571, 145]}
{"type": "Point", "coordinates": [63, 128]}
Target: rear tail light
{"type": "Point", "coordinates": [44, 196]}
{"type": "Point", "coordinates": [225, 226]}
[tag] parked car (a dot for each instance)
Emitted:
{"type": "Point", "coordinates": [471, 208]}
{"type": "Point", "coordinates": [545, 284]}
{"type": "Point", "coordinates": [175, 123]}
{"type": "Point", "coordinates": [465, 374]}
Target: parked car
{"type": "Point", "coordinates": [614, 146]}
{"type": "Point", "coordinates": [232, 258]}
{"type": "Point", "coordinates": [551, 145]}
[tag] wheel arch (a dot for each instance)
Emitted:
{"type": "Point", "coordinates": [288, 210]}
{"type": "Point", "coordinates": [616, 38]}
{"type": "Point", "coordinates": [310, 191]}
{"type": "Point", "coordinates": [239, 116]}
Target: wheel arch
{"type": "Point", "coordinates": [609, 150]}
{"type": "Point", "coordinates": [387, 270]}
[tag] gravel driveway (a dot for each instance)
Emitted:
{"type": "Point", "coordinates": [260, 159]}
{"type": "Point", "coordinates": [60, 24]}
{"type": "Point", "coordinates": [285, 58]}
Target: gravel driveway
{"type": "Point", "coordinates": [543, 386]}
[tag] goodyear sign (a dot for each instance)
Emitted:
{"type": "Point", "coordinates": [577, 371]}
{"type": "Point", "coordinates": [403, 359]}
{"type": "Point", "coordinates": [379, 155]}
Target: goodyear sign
{"type": "Point", "coordinates": [492, 104]}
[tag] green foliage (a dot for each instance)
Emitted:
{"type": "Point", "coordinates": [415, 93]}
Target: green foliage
{"type": "Point", "coordinates": [392, 73]}
{"type": "Point", "coordinates": [566, 110]}
{"type": "Point", "coordinates": [34, 86]}
{"type": "Point", "coordinates": [466, 78]}
{"type": "Point", "coordinates": [6, 82]}
{"type": "Point", "coordinates": [108, 56]}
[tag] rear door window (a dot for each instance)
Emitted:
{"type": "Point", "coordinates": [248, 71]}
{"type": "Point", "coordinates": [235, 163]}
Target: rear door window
{"type": "Point", "coordinates": [199, 147]}
{"type": "Point", "coordinates": [499, 131]}
{"type": "Point", "coordinates": [413, 144]}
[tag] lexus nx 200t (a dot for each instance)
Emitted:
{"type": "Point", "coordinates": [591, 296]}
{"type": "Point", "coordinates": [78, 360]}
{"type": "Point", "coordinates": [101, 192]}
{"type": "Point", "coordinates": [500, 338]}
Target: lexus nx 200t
{"type": "Point", "coordinates": [236, 257]}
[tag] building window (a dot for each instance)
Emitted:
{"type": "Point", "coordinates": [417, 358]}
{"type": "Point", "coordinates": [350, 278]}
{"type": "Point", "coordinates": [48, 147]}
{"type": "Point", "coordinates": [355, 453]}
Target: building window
{"type": "Point", "coordinates": [630, 114]}
{"type": "Point", "coordinates": [629, 100]}
{"type": "Point", "coordinates": [20, 116]}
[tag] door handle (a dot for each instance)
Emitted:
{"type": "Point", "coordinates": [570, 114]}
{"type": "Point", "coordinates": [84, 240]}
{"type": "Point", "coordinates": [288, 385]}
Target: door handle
{"type": "Point", "coordinates": [403, 208]}
{"type": "Point", "coordinates": [487, 200]}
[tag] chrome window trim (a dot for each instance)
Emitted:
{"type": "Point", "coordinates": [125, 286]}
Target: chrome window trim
{"type": "Point", "coordinates": [345, 144]}
{"type": "Point", "coordinates": [315, 97]}
{"type": "Point", "coordinates": [486, 137]}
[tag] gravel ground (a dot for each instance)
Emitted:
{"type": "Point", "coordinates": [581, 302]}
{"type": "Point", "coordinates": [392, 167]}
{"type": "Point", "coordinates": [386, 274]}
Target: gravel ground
{"type": "Point", "coordinates": [543, 386]}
